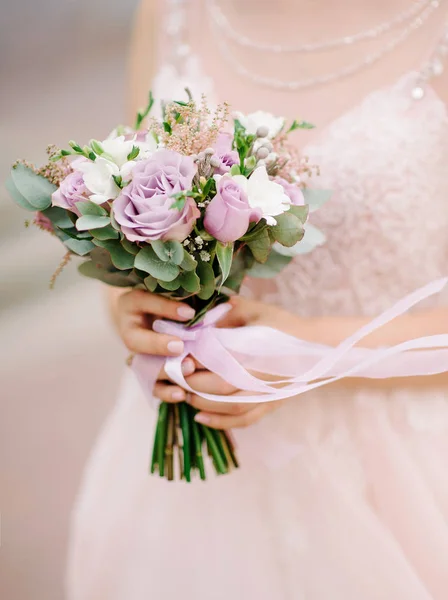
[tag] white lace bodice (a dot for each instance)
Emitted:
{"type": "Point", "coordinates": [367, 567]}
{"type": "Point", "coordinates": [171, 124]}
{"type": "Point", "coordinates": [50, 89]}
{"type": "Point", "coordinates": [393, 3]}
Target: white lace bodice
{"type": "Point", "coordinates": [385, 160]}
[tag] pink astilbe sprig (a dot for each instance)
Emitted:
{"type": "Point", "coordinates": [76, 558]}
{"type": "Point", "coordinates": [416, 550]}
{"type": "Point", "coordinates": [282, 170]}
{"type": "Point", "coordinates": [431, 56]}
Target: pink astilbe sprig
{"type": "Point", "coordinates": [290, 160]}
{"type": "Point", "coordinates": [190, 128]}
{"type": "Point", "coordinates": [55, 172]}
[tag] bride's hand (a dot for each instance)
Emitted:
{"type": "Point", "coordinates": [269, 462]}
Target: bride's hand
{"type": "Point", "coordinates": [220, 415]}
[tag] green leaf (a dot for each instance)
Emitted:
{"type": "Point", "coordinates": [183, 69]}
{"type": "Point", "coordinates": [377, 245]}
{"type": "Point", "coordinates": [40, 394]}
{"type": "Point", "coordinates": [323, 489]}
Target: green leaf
{"type": "Point", "coordinates": [188, 263]}
{"type": "Point", "coordinates": [260, 246]}
{"type": "Point", "coordinates": [170, 251]}
{"type": "Point", "coordinates": [130, 246]}
{"type": "Point", "coordinates": [91, 222]}
{"type": "Point", "coordinates": [316, 198]}
{"type": "Point", "coordinates": [300, 125]}
{"type": "Point", "coordinates": [90, 208]}
{"type": "Point", "coordinates": [17, 196]}
{"type": "Point", "coordinates": [141, 115]}
{"type": "Point", "coordinates": [34, 188]}
{"type": "Point", "coordinates": [90, 269]}
{"type": "Point", "coordinates": [118, 180]}
{"type": "Point", "coordinates": [301, 212]}
{"type": "Point", "coordinates": [120, 258]}
{"type": "Point", "coordinates": [96, 147]}
{"type": "Point", "coordinates": [150, 283]}
{"type": "Point", "coordinates": [207, 279]}
{"type": "Point", "coordinates": [171, 286]}
{"type": "Point", "coordinates": [312, 239]}
{"type": "Point", "coordinates": [133, 153]}
{"type": "Point", "coordinates": [113, 221]}
{"type": "Point", "coordinates": [59, 217]}
{"type": "Point", "coordinates": [235, 170]}
{"type": "Point", "coordinates": [80, 247]}
{"type": "Point", "coordinates": [209, 187]}
{"type": "Point", "coordinates": [224, 253]}
{"type": "Point", "coordinates": [148, 261]}
{"type": "Point", "coordinates": [190, 282]}
{"type": "Point", "coordinates": [272, 267]}
{"type": "Point", "coordinates": [167, 127]}
{"type": "Point", "coordinates": [288, 231]}
{"type": "Point", "coordinates": [106, 233]}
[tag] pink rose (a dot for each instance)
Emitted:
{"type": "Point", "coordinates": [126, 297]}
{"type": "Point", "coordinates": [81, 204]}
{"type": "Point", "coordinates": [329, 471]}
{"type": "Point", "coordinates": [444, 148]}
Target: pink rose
{"type": "Point", "coordinates": [144, 207]}
{"type": "Point", "coordinates": [292, 190]}
{"type": "Point", "coordinates": [228, 215]}
{"type": "Point", "coordinates": [227, 156]}
{"type": "Point", "coordinates": [71, 191]}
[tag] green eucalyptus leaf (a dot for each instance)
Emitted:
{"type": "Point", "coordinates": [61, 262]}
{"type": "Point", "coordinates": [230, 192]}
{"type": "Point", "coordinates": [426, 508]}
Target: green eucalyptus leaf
{"type": "Point", "coordinates": [224, 253]}
{"type": "Point", "coordinates": [207, 279]}
{"type": "Point", "coordinates": [188, 263]}
{"type": "Point", "coordinates": [17, 196]}
{"type": "Point", "coordinates": [80, 247]}
{"type": "Point", "coordinates": [130, 246]}
{"type": "Point", "coordinates": [261, 246]}
{"type": "Point", "coordinates": [190, 282]}
{"type": "Point", "coordinates": [148, 261]}
{"type": "Point", "coordinates": [170, 251]}
{"type": "Point", "coordinates": [120, 258]}
{"type": "Point", "coordinates": [316, 198]}
{"type": "Point", "coordinates": [59, 217]}
{"type": "Point", "coordinates": [91, 222]}
{"type": "Point", "coordinates": [34, 188]}
{"type": "Point", "coordinates": [289, 229]}
{"type": "Point", "coordinates": [272, 267]}
{"type": "Point", "coordinates": [116, 279]}
{"type": "Point", "coordinates": [113, 221]}
{"type": "Point", "coordinates": [301, 212]}
{"type": "Point", "coordinates": [90, 208]}
{"type": "Point", "coordinates": [171, 286]}
{"type": "Point", "coordinates": [106, 233]}
{"type": "Point", "coordinates": [312, 239]}
{"type": "Point", "coordinates": [150, 283]}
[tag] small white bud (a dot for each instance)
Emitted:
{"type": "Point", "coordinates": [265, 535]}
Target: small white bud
{"type": "Point", "coordinates": [209, 152]}
{"type": "Point", "coordinates": [263, 153]}
{"type": "Point", "coordinates": [215, 162]}
{"type": "Point", "coordinates": [205, 256]}
{"type": "Point", "coordinates": [201, 156]}
{"type": "Point", "coordinates": [199, 241]}
{"type": "Point", "coordinates": [262, 131]}
{"type": "Point", "coordinates": [271, 158]}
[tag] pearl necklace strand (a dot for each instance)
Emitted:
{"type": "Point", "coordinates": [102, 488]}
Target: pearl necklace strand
{"type": "Point", "coordinates": [222, 22]}
{"type": "Point", "coordinates": [347, 71]}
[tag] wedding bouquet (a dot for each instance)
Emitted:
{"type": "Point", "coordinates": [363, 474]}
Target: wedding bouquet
{"type": "Point", "coordinates": [187, 208]}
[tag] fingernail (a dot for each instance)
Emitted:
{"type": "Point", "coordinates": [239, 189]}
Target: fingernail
{"type": "Point", "coordinates": [186, 312]}
{"type": "Point", "coordinates": [178, 395]}
{"type": "Point", "coordinates": [188, 367]}
{"type": "Point", "coordinates": [175, 347]}
{"type": "Point", "coordinates": [201, 418]}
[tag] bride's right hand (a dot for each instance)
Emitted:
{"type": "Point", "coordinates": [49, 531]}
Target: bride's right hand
{"type": "Point", "coordinates": [134, 313]}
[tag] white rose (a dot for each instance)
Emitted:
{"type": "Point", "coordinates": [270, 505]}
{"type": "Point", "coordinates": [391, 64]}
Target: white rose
{"type": "Point", "coordinates": [98, 179]}
{"type": "Point", "coordinates": [118, 149]}
{"type": "Point", "coordinates": [258, 119]}
{"type": "Point", "coordinates": [264, 194]}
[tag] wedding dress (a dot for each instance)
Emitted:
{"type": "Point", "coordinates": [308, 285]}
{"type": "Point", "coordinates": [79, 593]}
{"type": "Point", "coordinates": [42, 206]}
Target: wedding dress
{"type": "Point", "coordinates": [360, 512]}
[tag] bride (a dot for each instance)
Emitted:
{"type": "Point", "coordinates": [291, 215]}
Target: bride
{"type": "Point", "coordinates": [359, 510]}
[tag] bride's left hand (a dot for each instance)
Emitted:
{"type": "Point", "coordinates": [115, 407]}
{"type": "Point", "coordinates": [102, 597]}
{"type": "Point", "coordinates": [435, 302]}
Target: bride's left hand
{"type": "Point", "coordinates": [221, 415]}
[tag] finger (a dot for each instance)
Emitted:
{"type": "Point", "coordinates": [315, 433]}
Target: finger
{"type": "Point", "coordinates": [243, 312]}
{"type": "Point", "coordinates": [144, 302]}
{"type": "Point", "coordinates": [210, 383]}
{"type": "Point", "coordinates": [188, 367]}
{"type": "Point", "coordinates": [217, 421]}
{"type": "Point", "coordinates": [220, 408]}
{"type": "Point", "coordinates": [145, 341]}
{"type": "Point", "coordinates": [169, 393]}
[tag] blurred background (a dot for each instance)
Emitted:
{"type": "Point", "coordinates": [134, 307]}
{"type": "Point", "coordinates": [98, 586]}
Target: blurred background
{"type": "Point", "coordinates": [62, 77]}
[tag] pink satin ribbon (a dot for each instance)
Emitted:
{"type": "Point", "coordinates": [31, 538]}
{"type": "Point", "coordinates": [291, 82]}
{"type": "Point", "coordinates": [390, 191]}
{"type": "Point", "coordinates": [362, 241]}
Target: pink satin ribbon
{"type": "Point", "coordinates": [303, 366]}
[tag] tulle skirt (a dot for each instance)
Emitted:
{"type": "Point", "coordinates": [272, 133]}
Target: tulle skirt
{"type": "Point", "coordinates": [357, 511]}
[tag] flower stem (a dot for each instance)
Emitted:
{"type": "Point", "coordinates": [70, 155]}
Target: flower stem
{"type": "Point", "coordinates": [198, 446]}
{"type": "Point", "coordinates": [185, 424]}
{"type": "Point", "coordinates": [169, 459]}
{"type": "Point", "coordinates": [161, 438]}
{"type": "Point", "coordinates": [214, 450]}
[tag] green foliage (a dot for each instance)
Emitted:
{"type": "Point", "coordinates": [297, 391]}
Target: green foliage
{"type": "Point", "coordinates": [170, 251]}
{"type": "Point", "coordinates": [17, 196]}
{"type": "Point", "coordinates": [148, 261]}
{"type": "Point", "coordinates": [272, 267]}
{"type": "Point", "coordinates": [300, 125]}
{"type": "Point", "coordinates": [224, 254]}
{"type": "Point", "coordinates": [35, 189]}
{"type": "Point", "coordinates": [150, 283]}
{"type": "Point", "coordinates": [260, 246]}
{"type": "Point", "coordinates": [106, 233]}
{"type": "Point", "coordinates": [91, 222]}
{"type": "Point", "coordinates": [116, 279]}
{"type": "Point", "coordinates": [207, 279]}
{"type": "Point", "coordinates": [301, 212]}
{"type": "Point", "coordinates": [88, 208]}
{"type": "Point", "coordinates": [190, 281]}
{"type": "Point", "coordinates": [171, 286]}
{"type": "Point", "coordinates": [188, 262]}
{"type": "Point", "coordinates": [141, 115]}
{"type": "Point", "coordinates": [133, 153]}
{"type": "Point", "coordinates": [120, 258]}
{"type": "Point", "coordinates": [97, 147]}
{"type": "Point", "coordinates": [59, 217]}
{"type": "Point", "coordinates": [288, 231]}
{"type": "Point", "coordinates": [130, 246]}
{"type": "Point", "coordinates": [80, 247]}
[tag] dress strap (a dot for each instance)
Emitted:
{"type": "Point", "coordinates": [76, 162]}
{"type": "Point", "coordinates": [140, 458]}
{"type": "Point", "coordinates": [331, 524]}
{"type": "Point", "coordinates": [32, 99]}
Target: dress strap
{"type": "Point", "coordinates": [433, 67]}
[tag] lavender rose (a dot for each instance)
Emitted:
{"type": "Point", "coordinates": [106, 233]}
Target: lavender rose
{"type": "Point", "coordinates": [71, 191]}
{"type": "Point", "coordinates": [228, 215]}
{"type": "Point", "coordinates": [292, 190]}
{"type": "Point", "coordinates": [223, 150]}
{"type": "Point", "coordinates": [143, 209]}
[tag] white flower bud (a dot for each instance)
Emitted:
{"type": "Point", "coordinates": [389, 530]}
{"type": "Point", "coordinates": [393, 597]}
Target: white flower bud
{"type": "Point", "coordinates": [209, 152]}
{"type": "Point", "coordinates": [262, 131]}
{"type": "Point", "coordinates": [263, 153]}
{"type": "Point", "coordinates": [271, 158]}
{"type": "Point", "coordinates": [215, 162]}
{"type": "Point", "coordinates": [201, 156]}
